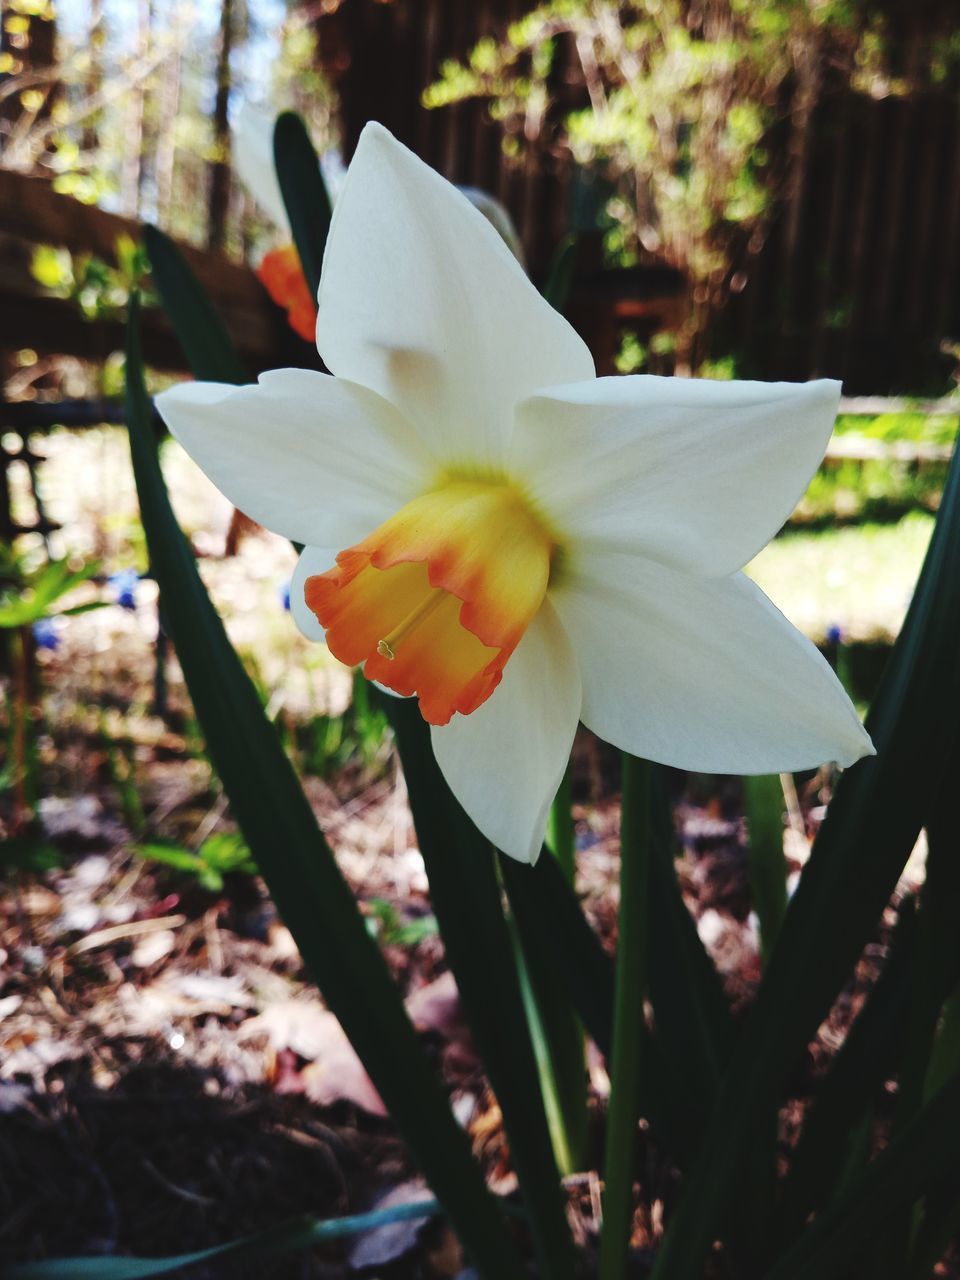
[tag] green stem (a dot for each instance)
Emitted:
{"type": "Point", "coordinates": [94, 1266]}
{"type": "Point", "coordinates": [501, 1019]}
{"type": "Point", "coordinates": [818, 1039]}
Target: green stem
{"type": "Point", "coordinates": [565, 1151]}
{"type": "Point", "coordinates": [766, 865]}
{"type": "Point", "coordinates": [554, 1026]}
{"type": "Point", "coordinates": [635, 833]}
{"type": "Point", "coordinates": [560, 833]}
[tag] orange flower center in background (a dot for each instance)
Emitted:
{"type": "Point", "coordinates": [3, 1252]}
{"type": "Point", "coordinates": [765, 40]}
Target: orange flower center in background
{"type": "Point", "coordinates": [435, 601]}
{"type": "Point", "coordinates": [282, 277]}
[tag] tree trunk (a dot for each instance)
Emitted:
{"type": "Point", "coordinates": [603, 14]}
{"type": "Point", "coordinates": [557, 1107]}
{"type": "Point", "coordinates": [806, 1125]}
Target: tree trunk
{"type": "Point", "coordinates": [220, 174]}
{"type": "Point", "coordinates": [131, 177]}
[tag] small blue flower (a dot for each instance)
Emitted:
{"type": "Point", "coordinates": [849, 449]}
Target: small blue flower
{"type": "Point", "coordinates": [284, 594]}
{"type": "Point", "coordinates": [834, 633]}
{"type": "Point", "coordinates": [46, 633]}
{"type": "Point", "coordinates": [124, 585]}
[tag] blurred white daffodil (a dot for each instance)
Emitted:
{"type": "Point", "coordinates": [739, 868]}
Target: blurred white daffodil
{"type": "Point", "coordinates": [526, 545]}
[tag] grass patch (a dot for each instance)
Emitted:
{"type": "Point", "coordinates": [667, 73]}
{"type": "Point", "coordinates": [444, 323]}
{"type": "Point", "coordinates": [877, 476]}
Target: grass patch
{"type": "Point", "coordinates": [859, 578]}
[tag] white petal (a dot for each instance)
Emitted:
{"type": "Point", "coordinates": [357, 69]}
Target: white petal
{"type": "Point", "coordinates": [312, 457]}
{"type": "Point", "coordinates": [313, 560]}
{"type": "Point", "coordinates": [701, 673]}
{"type": "Point", "coordinates": [253, 161]}
{"type": "Point", "coordinates": [691, 472]}
{"type": "Point", "coordinates": [421, 300]}
{"type": "Point", "coordinates": [505, 761]}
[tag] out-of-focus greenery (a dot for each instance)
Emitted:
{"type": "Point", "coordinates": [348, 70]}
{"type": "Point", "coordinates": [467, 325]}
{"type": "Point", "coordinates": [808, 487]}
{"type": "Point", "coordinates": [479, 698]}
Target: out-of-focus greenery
{"type": "Point", "coordinates": [31, 605]}
{"type": "Point", "coordinates": [876, 489]}
{"type": "Point", "coordinates": [100, 290]}
{"type": "Point", "coordinates": [387, 925]}
{"type": "Point", "coordinates": [297, 82]}
{"type": "Point", "coordinates": [922, 428]}
{"type": "Point", "coordinates": [677, 103]}
{"type": "Point", "coordinates": [29, 595]}
{"type": "Point", "coordinates": [327, 743]}
{"type": "Point", "coordinates": [122, 117]}
{"type": "Point", "coordinates": [220, 855]}
{"type": "Point", "coordinates": [858, 578]}
{"type": "Point", "coordinates": [880, 488]}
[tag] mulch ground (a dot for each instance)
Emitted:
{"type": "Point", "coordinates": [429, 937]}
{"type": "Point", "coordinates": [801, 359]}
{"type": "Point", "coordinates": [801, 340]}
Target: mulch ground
{"type": "Point", "coordinates": [170, 1080]}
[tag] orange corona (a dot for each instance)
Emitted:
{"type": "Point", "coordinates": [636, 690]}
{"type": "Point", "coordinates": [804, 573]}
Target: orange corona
{"type": "Point", "coordinates": [436, 599]}
{"type": "Point", "coordinates": [282, 277]}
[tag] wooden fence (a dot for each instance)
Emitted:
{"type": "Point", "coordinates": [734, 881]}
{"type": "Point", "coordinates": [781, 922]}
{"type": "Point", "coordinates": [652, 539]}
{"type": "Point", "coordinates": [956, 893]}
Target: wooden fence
{"type": "Point", "coordinates": [859, 277]}
{"type": "Point", "coordinates": [31, 213]}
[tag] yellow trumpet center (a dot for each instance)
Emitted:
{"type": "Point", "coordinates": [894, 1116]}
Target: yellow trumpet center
{"type": "Point", "coordinates": [436, 599]}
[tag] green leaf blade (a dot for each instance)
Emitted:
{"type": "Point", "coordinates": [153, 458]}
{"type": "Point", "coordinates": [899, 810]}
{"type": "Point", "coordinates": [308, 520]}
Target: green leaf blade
{"type": "Point", "coordinates": [467, 902]}
{"type": "Point", "coordinates": [301, 873]}
{"type": "Point", "coordinates": [304, 193]}
{"type": "Point", "coordinates": [203, 336]}
{"type": "Point", "coordinates": [869, 831]}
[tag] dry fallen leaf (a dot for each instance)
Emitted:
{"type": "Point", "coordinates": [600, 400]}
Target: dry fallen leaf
{"type": "Point", "coordinates": [383, 1245]}
{"type": "Point", "coordinates": [333, 1073]}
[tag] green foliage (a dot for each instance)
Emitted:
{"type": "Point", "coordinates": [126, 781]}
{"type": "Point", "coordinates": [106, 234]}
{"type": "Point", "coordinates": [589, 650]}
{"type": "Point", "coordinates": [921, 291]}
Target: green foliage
{"type": "Point", "coordinates": [100, 290]}
{"type": "Point", "coordinates": [859, 577]}
{"type": "Point", "coordinates": [298, 865]}
{"type": "Point", "coordinates": [871, 827]}
{"type": "Point", "coordinates": [676, 106]}
{"type": "Point", "coordinates": [220, 855]}
{"type": "Point", "coordinates": [27, 596]}
{"type": "Point", "coordinates": [872, 491]}
{"type": "Point", "coordinates": [466, 896]}
{"type": "Point", "coordinates": [709, 1085]}
{"type": "Point", "coordinates": [388, 926]}
{"type": "Point", "coordinates": [304, 193]}
{"type": "Point", "coordinates": [328, 742]}
{"type": "Point", "coordinates": [637, 835]}
{"type": "Point", "coordinates": [295, 1236]}
{"type": "Point", "coordinates": [766, 863]}
{"type": "Point", "coordinates": [202, 334]}
{"type": "Point", "coordinates": [632, 356]}
{"type": "Point", "coordinates": [27, 853]}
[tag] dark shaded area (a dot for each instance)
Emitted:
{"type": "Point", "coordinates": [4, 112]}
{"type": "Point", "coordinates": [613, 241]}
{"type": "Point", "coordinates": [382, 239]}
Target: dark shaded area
{"type": "Point", "coordinates": [172, 1159]}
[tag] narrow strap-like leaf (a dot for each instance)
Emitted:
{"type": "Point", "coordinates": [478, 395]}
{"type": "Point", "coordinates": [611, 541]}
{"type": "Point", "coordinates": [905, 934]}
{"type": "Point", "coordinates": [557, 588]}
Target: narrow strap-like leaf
{"type": "Point", "coordinates": [288, 1237]}
{"type": "Point", "coordinates": [845, 1095]}
{"type": "Point", "coordinates": [692, 1017]}
{"type": "Point", "coordinates": [466, 899]}
{"type": "Point", "coordinates": [304, 193]}
{"type": "Point", "coordinates": [766, 864]}
{"type": "Point", "coordinates": [556, 1030]}
{"type": "Point", "coordinates": [546, 906]}
{"type": "Point", "coordinates": [871, 827]}
{"type": "Point", "coordinates": [925, 1150]}
{"type": "Point", "coordinates": [309, 891]}
{"type": "Point", "coordinates": [636, 838]}
{"type": "Point", "coordinates": [936, 971]}
{"type": "Point", "coordinates": [202, 334]}
{"type": "Point", "coordinates": [548, 911]}
{"type": "Point", "coordinates": [940, 1220]}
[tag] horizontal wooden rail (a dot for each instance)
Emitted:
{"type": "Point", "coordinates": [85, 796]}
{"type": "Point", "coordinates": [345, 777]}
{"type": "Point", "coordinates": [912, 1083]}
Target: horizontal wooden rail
{"type": "Point", "coordinates": [876, 406]}
{"type": "Point", "coordinates": [865, 449]}
{"type": "Point", "coordinates": [32, 213]}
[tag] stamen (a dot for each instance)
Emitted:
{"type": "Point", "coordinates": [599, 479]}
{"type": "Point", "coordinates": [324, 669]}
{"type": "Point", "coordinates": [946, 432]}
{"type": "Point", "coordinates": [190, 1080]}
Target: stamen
{"type": "Point", "coordinates": [387, 647]}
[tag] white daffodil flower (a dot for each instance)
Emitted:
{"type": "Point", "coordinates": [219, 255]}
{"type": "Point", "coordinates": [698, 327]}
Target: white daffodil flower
{"type": "Point", "coordinates": [520, 544]}
{"type": "Point", "coordinates": [253, 161]}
